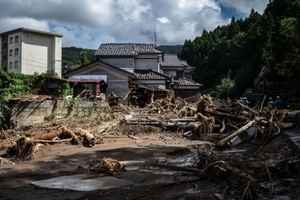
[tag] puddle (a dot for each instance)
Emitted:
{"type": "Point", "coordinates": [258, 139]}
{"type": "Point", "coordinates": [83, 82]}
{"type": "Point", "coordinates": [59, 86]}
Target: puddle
{"type": "Point", "coordinates": [82, 183]}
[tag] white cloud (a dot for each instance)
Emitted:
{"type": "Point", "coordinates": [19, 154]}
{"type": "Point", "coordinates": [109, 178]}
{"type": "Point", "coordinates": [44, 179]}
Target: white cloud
{"type": "Point", "coordinates": [90, 22]}
{"type": "Point", "coordinates": [9, 23]}
{"type": "Point", "coordinates": [163, 20]}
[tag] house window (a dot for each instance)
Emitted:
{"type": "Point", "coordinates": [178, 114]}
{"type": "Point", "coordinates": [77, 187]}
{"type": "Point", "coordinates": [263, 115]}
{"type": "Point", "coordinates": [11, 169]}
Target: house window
{"type": "Point", "coordinates": [10, 52]}
{"type": "Point", "coordinates": [17, 52]}
{"type": "Point", "coordinates": [16, 64]}
{"type": "Point", "coordinates": [16, 39]}
{"type": "Point", "coordinates": [11, 40]}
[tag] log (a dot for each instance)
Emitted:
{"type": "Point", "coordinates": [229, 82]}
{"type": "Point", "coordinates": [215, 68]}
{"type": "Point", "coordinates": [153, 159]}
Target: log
{"type": "Point", "coordinates": [248, 108]}
{"type": "Point", "coordinates": [236, 133]}
{"type": "Point", "coordinates": [88, 139]}
{"type": "Point", "coordinates": [223, 127]}
{"type": "Point", "coordinates": [5, 162]}
{"type": "Point", "coordinates": [221, 114]}
{"type": "Point", "coordinates": [52, 141]}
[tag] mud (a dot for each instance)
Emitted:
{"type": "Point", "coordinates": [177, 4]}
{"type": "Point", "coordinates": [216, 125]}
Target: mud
{"type": "Point", "coordinates": [59, 172]}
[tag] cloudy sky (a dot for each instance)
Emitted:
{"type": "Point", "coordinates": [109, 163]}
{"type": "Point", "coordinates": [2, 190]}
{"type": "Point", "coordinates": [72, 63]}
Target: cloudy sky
{"type": "Point", "coordinates": [87, 23]}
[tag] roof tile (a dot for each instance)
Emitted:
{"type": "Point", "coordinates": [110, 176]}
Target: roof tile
{"type": "Point", "coordinates": [149, 75]}
{"type": "Point", "coordinates": [186, 84]}
{"type": "Point", "coordinates": [126, 49]}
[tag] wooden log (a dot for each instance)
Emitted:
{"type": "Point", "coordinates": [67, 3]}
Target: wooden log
{"type": "Point", "coordinates": [236, 133]}
{"type": "Point", "coordinates": [52, 141]}
{"type": "Point", "coordinates": [5, 162]}
{"type": "Point", "coordinates": [248, 108]}
{"type": "Point", "coordinates": [222, 114]}
{"type": "Point", "coordinates": [88, 139]}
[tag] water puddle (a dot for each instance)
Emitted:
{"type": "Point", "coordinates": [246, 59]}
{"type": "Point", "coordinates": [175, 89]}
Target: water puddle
{"type": "Point", "coordinates": [82, 183]}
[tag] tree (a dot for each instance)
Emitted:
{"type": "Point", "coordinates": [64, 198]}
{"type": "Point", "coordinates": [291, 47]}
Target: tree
{"type": "Point", "coordinates": [271, 39]}
{"type": "Point", "coordinates": [84, 57]}
{"type": "Point", "coordinates": [225, 87]}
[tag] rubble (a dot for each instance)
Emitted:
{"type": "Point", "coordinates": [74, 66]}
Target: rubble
{"type": "Point", "coordinates": [107, 166]}
{"type": "Point", "coordinates": [208, 116]}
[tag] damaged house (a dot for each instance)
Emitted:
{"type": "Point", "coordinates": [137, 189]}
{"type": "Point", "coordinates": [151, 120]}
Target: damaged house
{"type": "Point", "coordinates": [128, 66]}
{"type": "Point", "coordinates": [180, 74]}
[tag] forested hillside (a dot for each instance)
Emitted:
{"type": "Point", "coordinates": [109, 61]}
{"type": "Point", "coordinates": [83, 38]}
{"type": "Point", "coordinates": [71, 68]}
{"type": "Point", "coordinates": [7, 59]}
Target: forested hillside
{"type": "Point", "coordinates": [170, 49]}
{"type": "Point", "coordinates": [73, 57]}
{"type": "Point", "coordinates": [241, 49]}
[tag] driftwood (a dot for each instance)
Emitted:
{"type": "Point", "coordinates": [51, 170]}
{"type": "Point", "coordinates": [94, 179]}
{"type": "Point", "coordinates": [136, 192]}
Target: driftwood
{"type": "Point", "coordinates": [106, 165]}
{"type": "Point", "coordinates": [52, 141]}
{"type": "Point", "coordinates": [248, 108]}
{"type": "Point", "coordinates": [24, 149]}
{"type": "Point", "coordinates": [5, 162]}
{"type": "Point", "coordinates": [207, 117]}
{"type": "Point", "coordinates": [88, 139]}
{"type": "Point", "coordinates": [236, 133]}
{"type": "Point", "coordinates": [64, 134]}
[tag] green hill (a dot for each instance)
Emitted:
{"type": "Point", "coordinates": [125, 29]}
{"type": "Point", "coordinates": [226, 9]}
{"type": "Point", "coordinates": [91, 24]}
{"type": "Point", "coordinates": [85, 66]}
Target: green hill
{"type": "Point", "coordinates": [170, 49]}
{"type": "Point", "coordinates": [73, 57]}
{"type": "Point", "coordinates": [242, 48]}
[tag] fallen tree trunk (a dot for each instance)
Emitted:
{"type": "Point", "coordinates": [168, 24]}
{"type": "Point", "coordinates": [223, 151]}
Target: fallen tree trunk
{"type": "Point", "coordinates": [4, 162]}
{"type": "Point", "coordinates": [236, 133]}
{"type": "Point", "coordinates": [52, 141]}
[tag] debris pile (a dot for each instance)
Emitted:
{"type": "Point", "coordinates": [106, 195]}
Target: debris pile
{"type": "Point", "coordinates": [231, 123]}
{"type": "Point", "coordinates": [107, 166]}
{"type": "Point", "coordinates": [26, 146]}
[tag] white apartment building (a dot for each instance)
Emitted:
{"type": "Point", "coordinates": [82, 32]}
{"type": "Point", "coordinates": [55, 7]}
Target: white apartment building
{"type": "Point", "coordinates": [29, 51]}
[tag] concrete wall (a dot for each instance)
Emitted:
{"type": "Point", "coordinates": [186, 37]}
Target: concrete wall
{"type": "Point", "coordinates": [32, 113]}
{"type": "Point", "coordinates": [41, 54]}
{"type": "Point", "coordinates": [35, 53]}
{"type": "Point", "coordinates": [58, 56]}
{"type": "Point", "coordinates": [14, 61]}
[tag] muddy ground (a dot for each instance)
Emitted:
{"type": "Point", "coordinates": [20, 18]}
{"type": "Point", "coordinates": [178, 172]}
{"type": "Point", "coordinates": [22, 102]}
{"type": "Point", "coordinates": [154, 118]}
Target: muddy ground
{"type": "Point", "coordinates": [63, 160]}
{"type": "Point", "coordinates": [142, 178]}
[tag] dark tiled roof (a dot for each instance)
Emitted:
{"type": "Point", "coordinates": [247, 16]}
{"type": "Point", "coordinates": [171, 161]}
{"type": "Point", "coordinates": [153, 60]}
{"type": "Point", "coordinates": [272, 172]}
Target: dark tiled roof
{"type": "Point", "coordinates": [126, 49]}
{"type": "Point", "coordinates": [186, 84]}
{"type": "Point", "coordinates": [171, 60]}
{"type": "Point", "coordinates": [149, 75]}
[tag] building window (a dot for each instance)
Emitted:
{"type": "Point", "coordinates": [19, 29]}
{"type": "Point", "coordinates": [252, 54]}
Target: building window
{"type": "Point", "coordinates": [17, 52]}
{"type": "Point", "coordinates": [11, 40]}
{"type": "Point", "coordinates": [10, 52]}
{"type": "Point", "coordinates": [16, 64]}
{"type": "Point", "coordinates": [10, 65]}
{"type": "Point", "coordinates": [17, 39]}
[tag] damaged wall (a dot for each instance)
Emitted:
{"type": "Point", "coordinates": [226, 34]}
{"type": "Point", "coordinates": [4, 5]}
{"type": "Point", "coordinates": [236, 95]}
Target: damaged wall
{"type": "Point", "coordinates": [29, 113]}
